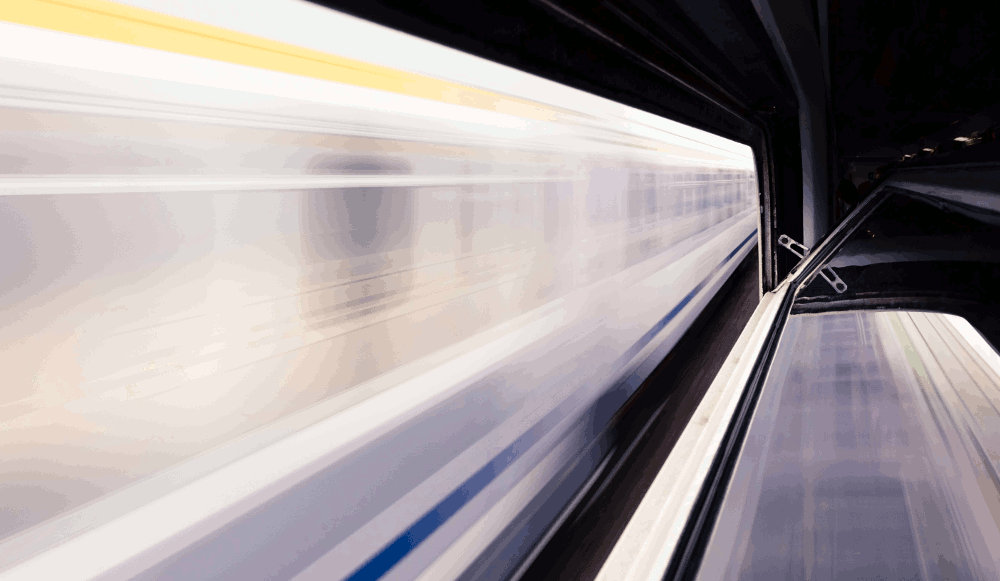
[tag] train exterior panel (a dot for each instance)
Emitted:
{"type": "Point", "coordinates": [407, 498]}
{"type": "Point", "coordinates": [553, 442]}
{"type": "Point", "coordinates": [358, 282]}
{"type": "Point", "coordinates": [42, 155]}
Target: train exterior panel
{"type": "Point", "coordinates": [268, 321]}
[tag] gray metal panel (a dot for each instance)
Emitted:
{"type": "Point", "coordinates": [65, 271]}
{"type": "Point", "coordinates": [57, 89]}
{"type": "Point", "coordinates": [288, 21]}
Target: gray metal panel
{"type": "Point", "coordinates": [873, 454]}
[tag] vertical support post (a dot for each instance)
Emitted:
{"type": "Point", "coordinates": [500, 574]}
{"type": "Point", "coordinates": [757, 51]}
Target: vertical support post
{"type": "Point", "coordinates": [792, 27]}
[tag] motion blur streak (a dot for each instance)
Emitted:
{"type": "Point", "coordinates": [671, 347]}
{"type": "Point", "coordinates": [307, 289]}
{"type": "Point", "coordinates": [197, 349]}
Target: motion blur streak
{"type": "Point", "coordinates": [268, 309]}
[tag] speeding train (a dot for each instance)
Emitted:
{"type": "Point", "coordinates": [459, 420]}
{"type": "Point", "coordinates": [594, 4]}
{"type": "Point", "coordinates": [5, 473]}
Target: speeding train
{"type": "Point", "coordinates": [290, 294]}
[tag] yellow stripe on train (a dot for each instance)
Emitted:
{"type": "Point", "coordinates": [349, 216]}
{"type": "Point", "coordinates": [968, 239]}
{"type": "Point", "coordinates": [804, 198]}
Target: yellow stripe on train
{"type": "Point", "coordinates": [135, 26]}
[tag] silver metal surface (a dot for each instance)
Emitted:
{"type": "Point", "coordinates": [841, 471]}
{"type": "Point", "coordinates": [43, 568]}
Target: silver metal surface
{"type": "Point", "coordinates": [873, 454]}
{"type": "Point", "coordinates": [644, 549]}
{"type": "Point", "coordinates": [796, 248]}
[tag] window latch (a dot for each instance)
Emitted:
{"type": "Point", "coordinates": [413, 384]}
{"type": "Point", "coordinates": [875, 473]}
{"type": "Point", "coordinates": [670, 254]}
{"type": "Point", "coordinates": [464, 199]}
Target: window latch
{"type": "Point", "coordinates": [828, 274]}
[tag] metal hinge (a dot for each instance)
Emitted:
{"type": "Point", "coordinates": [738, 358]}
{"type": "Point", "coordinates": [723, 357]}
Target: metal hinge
{"type": "Point", "coordinates": [828, 274]}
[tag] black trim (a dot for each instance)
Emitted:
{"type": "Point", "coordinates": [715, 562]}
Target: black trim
{"type": "Point", "coordinates": [686, 559]}
{"type": "Point", "coordinates": [645, 430]}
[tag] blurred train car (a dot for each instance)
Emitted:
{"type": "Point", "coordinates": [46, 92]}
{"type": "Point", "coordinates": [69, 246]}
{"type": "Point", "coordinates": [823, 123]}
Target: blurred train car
{"type": "Point", "coordinates": [291, 294]}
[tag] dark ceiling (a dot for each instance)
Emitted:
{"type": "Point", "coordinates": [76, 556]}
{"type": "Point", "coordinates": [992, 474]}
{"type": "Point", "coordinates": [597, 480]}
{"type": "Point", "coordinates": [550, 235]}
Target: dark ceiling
{"type": "Point", "coordinates": [909, 75]}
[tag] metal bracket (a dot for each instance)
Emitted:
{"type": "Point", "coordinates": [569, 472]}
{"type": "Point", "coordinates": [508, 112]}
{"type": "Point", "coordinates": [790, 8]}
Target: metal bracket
{"type": "Point", "coordinates": [796, 248]}
{"type": "Point", "coordinates": [828, 274]}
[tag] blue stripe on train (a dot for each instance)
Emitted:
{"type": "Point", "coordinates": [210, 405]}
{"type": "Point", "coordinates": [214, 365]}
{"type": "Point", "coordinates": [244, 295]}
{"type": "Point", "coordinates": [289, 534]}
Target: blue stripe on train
{"type": "Point", "coordinates": [424, 527]}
